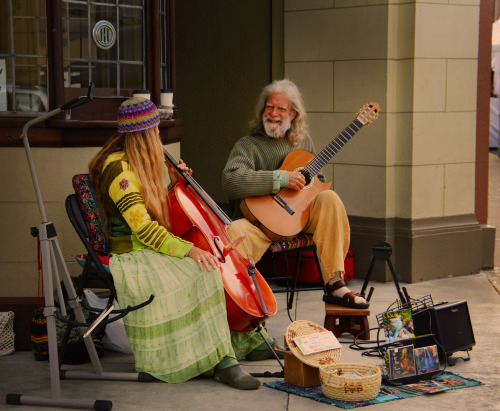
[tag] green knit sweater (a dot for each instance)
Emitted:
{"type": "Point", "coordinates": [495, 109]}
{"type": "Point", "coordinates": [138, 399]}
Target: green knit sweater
{"type": "Point", "coordinates": [252, 167]}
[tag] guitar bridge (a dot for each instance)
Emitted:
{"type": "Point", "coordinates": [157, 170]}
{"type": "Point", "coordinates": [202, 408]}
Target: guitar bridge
{"type": "Point", "coordinates": [282, 204]}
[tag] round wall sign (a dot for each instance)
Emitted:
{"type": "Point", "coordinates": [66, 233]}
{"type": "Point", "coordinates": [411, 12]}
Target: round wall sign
{"type": "Point", "coordinates": [104, 34]}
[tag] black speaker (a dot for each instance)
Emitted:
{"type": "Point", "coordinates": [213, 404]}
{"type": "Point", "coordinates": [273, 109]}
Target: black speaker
{"type": "Point", "coordinates": [449, 322]}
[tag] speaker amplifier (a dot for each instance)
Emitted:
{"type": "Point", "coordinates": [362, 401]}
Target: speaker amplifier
{"type": "Point", "coordinates": [449, 322]}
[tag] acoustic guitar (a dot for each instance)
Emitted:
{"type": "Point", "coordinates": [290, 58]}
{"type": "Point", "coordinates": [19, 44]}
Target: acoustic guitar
{"type": "Point", "coordinates": [284, 214]}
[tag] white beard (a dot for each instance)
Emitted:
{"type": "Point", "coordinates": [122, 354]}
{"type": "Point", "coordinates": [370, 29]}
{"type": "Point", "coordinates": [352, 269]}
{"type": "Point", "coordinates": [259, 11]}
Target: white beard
{"type": "Point", "coordinates": [276, 130]}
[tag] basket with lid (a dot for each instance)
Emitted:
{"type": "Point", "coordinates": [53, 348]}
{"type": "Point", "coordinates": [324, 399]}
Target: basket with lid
{"type": "Point", "coordinates": [302, 328]}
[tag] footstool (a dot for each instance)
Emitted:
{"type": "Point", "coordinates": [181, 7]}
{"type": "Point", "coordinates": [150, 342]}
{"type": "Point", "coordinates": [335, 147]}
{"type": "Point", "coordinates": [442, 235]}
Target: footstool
{"type": "Point", "coordinates": [342, 320]}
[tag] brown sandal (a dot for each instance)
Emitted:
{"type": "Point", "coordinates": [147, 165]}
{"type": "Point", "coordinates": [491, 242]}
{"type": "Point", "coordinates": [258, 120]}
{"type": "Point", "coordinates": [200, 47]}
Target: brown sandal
{"type": "Point", "coordinates": [347, 300]}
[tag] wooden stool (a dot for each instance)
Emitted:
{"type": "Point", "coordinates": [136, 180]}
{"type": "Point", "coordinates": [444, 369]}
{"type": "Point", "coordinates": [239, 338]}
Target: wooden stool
{"type": "Point", "coordinates": [350, 320]}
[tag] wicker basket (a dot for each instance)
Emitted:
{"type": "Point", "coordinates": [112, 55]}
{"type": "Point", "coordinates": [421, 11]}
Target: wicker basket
{"type": "Point", "coordinates": [6, 333]}
{"type": "Point", "coordinates": [344, 388]}
{"type": "Point", "coordinates": [301, 328]}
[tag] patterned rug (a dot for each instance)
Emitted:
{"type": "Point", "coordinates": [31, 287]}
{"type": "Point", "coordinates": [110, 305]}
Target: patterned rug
{"type": "Point", "coordinates": [387, 392]}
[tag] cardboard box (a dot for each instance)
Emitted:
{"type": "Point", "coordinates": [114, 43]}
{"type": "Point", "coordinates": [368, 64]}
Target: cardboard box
{"type": "Point", "coordinates": [300, 374]}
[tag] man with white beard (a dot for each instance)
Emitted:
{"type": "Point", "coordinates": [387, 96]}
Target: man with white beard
{"type": "Point", "coordinates": [252, 169]}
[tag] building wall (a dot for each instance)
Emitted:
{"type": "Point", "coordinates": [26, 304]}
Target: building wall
{"type": "Point", "coordinates": [409, 177]}
{"type": "Point", "coordinates": [223, 55]}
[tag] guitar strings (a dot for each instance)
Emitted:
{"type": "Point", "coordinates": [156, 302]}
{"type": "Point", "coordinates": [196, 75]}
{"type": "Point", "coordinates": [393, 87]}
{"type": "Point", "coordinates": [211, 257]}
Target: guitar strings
{"type": "Point", "coordinates": [333, 148]}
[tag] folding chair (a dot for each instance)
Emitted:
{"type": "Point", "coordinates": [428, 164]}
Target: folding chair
{"type": "Point", "coordinates": [85, 216]}
{"type": "Point", "coordinates": [294, 247]}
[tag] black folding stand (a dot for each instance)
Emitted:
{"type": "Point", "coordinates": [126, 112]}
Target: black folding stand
{"type": "Point", "coordinates": [382, 251]}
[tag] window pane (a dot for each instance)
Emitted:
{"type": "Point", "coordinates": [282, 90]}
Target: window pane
{"type": "Point", "coordinates": [131, 76]}
{"type": "Point", "coordinates": [31, 71]}
{"type": "Point", "coordinates": [75, 33]}
{"type": "Point", "coordinates": [31, 85]}
{"type": "Point", "coordinates": [132, 2]}
{"type": "Point", "coordinates": [104, 75]}
{"type": "Point", "coordinates": [28, 7]}
{"type": "Point", "coordinates": [76, 74]}
{"type": "Point", "coordinates": [164, 42]}
{"type": "Point", "coordinates": [23, 56]}
{"type": "Point", "coordinates": [101, 39]}
{"type": "Point", "coordinates": [4, 33]}
{"type": "Point", "coordinates": [29, 35]}
{"type": "Point", "coordinates": [98, 13]}
{"type": "Point", "coordinates": [131, 42]}
{"type": "Point", "coordinates": [6, 86]}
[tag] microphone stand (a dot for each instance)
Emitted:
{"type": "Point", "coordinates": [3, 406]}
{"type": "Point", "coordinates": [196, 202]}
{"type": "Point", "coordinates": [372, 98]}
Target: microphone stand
{"type": "Point", "coordinates": [55, 271]}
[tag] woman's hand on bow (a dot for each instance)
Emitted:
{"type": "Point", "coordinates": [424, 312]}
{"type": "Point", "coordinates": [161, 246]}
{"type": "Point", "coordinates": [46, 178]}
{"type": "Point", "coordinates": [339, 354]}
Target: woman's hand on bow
{"type": "Point", "coordinates": [174, 175]}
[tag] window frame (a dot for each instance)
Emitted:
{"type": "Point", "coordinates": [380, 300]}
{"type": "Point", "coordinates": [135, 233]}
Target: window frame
{"type": "Point", "coordinates": [93, 123]}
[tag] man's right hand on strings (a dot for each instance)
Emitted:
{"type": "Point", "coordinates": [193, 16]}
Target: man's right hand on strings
{"type": "Point", "coordinates": [296, 181]}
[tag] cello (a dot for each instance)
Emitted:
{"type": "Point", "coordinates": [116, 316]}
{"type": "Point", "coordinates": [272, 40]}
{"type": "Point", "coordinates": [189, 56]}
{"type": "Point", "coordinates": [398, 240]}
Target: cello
{"type": "Point", "coordinates": [195, 217]}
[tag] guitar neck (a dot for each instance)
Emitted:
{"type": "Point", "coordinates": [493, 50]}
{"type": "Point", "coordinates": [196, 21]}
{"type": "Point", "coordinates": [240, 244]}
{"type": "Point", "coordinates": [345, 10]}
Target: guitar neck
{"type": "Point", "coordinates": [333, 148]}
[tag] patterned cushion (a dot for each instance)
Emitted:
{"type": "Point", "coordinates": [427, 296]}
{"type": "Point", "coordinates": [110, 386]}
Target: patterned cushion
{"type": "Point", "coordinates": [95, 222]}
{"type": "Point", "coordinates": [302, 240]}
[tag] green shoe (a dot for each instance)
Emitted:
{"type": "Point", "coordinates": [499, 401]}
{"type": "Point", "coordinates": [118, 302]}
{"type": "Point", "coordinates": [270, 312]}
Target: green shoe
{"type": "Point", "coordinates": [236, 377]}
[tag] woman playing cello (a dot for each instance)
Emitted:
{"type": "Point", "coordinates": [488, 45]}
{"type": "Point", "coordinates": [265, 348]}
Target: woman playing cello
{"type": "Point", "coordinates": [184, 332]}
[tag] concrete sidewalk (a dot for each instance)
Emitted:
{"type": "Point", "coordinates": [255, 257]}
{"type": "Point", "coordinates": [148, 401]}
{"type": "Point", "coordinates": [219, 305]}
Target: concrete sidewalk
{"type": "Point", "coordinates": [21, 374]}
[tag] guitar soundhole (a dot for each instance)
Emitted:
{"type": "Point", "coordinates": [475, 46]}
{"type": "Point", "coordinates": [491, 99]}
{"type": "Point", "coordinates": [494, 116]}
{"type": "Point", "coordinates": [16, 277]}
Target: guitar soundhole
{"type": "Point", "coordinates": [306, 175]}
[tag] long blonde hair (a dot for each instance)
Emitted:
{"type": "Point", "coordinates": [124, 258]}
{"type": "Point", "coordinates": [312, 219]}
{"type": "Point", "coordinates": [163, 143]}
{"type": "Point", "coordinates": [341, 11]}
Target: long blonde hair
{"type": "Point", "coordinates": [144, 151]}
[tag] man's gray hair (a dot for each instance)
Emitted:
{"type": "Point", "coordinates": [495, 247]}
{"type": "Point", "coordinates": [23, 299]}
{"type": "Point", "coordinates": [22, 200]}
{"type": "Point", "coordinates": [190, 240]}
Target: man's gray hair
{"type": "Point", "coordinates": [298, 129]}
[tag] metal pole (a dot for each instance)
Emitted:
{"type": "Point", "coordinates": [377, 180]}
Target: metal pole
{"type": "Point", "coordinates": [31, 165]}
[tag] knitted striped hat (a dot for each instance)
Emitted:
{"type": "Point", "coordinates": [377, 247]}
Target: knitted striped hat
{"type": "Point", "coordinates": [136, 114]}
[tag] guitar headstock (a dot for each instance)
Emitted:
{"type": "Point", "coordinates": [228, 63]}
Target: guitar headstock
{"type": "Point", "coordinates": [368, 113]}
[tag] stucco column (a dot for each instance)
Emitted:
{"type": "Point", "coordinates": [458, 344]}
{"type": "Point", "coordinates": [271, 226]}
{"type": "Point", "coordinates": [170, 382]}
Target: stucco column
{"type": "Point", "coordinates": [408, 179]}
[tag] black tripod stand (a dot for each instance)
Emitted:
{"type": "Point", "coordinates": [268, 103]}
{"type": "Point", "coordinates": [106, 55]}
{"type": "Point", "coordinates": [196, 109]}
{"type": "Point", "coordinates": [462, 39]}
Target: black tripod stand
{"type": "Point", "coordinates": [382, 251]}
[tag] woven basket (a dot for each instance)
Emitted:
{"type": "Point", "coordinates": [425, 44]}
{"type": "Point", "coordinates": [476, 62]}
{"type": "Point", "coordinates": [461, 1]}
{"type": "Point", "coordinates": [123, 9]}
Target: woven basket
{"type": "Point", "coordinates": [6, 333]}
{"type": "Point", "coordinates": [304, 327]}
{"type": "Point", "coordinates": [344, 388]}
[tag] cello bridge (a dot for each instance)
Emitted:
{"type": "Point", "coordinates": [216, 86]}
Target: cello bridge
{"type": "Point", "coordinates": [235, 243]}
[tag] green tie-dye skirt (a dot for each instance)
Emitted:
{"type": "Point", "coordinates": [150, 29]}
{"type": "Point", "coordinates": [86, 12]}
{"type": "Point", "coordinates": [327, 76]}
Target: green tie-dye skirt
{"type": "Point", "coordinates": [183, 332]}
